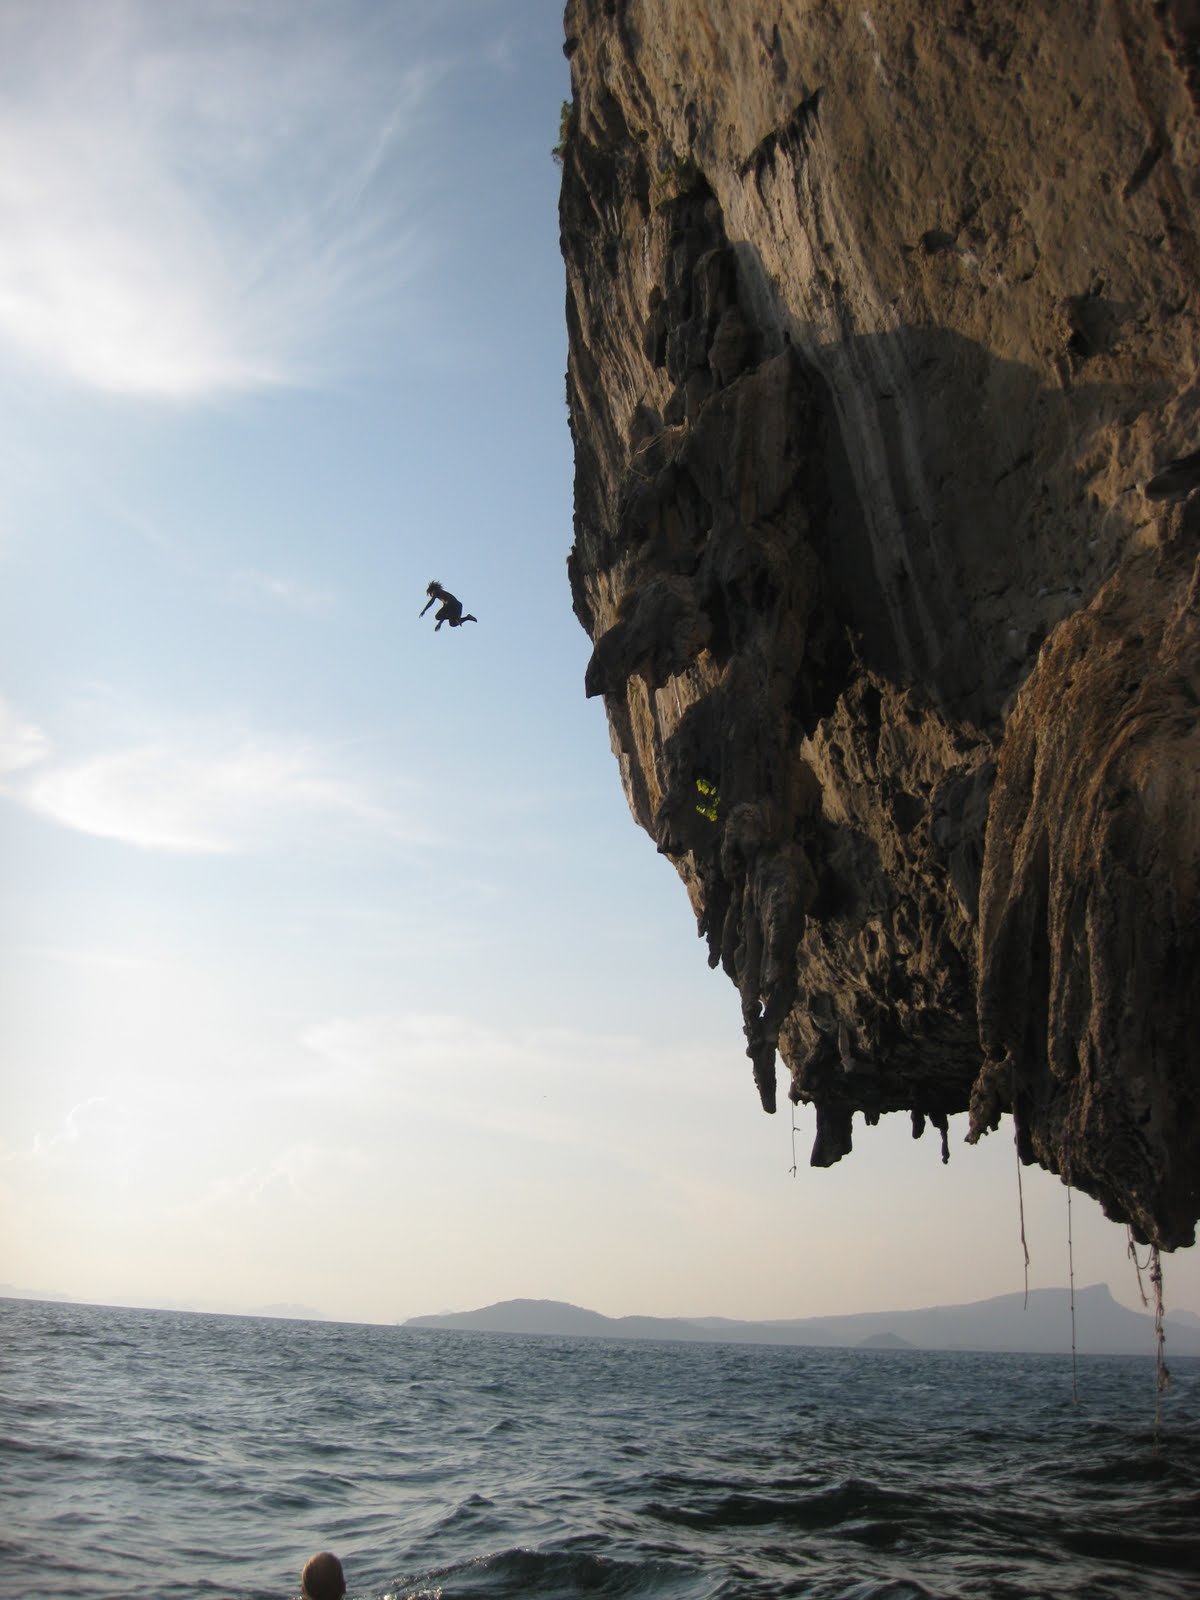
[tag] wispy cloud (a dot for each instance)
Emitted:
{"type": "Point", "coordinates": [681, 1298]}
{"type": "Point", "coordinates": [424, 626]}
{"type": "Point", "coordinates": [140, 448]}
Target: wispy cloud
{"type": "Point", "coordinates": [525, 1082]}
{"type": "Point", "coordinates": [21, 743]}
{"type": "Point", "coordinates": [250, 587]}
{"type": "Point", "coordinates": [300, 1169]}
{"type": "Point", "coordinates": [211, 788]}
{"type": "Point", "coordinates": [183, 188]}
{"type": "Point", "coordinates": [162, 797]}
{"type": "Point", "coordinates": [70, 1131]}
{"type": "Point", "coordinates": [84, 958]}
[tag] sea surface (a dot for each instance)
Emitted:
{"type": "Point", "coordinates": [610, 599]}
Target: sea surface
{"type": "Point", "coordinates": [159, 1455]}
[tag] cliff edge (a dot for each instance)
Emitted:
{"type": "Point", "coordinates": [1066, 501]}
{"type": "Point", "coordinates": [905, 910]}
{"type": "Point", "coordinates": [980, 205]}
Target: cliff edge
{"type": "Point", "coordinates": [882, 328]}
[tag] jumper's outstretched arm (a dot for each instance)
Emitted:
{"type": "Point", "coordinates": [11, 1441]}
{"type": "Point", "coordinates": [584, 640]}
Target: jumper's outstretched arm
{"type": "Point", "coordinates": [427, 604]}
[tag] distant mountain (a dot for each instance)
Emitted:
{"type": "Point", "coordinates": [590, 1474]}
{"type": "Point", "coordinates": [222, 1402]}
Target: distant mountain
{"type": "Point", "coordinates": [556, 1317]}
{"type": "Point", "coordinates": [1007, 1322]}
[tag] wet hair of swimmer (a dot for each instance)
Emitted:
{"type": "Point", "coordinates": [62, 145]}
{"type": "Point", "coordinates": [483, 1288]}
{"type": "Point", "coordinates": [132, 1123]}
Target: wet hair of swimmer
{"type": "Point", "coordinates": [322, 1578]}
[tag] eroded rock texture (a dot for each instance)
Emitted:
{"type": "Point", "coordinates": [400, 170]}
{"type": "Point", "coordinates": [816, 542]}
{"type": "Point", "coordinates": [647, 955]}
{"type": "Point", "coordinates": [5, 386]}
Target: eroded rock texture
{"type": "Point", "coordinates": [881, 319]}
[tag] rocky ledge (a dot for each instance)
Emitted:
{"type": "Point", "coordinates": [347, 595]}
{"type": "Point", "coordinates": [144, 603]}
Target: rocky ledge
{"type": "Point", "coordinates": [883, 327]}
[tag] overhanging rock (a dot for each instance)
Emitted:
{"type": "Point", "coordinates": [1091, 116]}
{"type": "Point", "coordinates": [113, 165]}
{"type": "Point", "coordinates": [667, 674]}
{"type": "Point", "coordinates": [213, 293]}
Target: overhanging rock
{"type": "Point", "coordinates": [880, 321]}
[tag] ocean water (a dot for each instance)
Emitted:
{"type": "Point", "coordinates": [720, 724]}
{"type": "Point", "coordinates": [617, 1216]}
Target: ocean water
{"type": "Point", "coordinates": [160, 1455]}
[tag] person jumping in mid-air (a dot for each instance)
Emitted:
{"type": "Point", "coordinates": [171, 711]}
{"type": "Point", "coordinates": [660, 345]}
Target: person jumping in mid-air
{"type": "Point", "coordinates": [450, 610]}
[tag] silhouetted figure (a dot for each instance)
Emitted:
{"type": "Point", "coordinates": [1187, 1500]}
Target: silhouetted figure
{"type": "Point", "coordinates": [450, 610]}
{"type": "Point", "coordinates": [322, 1578]}
{"type": "Point", "coordinates": [1176, 480]}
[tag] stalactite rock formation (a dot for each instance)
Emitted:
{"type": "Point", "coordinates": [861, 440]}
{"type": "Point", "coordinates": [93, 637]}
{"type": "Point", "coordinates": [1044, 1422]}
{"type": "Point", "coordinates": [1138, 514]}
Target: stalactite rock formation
{"type": "Point", "coordinates": [882, 333]}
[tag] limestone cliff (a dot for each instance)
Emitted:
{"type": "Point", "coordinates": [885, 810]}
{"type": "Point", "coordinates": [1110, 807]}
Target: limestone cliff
{"type": "Point", "coordinates": [882, 319]}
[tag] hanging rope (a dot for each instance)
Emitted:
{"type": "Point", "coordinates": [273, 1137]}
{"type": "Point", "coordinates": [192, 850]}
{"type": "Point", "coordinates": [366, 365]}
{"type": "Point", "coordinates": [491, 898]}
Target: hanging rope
{"type": "Point", "coordinates": [794, 1163]}
{"type": "Point", "coordinates": [1021, 1207]}
{"type": "Point", "coordinates": [1012, 1091]}
{"type": "Point", "coordinates": [1071, 1270]}
{"type": "Point", "coordinates": [1162, 1378]}
{"type": "Point", "coordinates": [1153, 1266]}
{"type": "Point", "coordinates": [1067, 1175]}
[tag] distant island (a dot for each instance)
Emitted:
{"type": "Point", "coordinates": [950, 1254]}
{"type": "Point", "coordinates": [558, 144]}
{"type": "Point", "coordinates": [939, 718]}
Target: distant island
{"type": "Point", "coordinates": [1041, 1325]}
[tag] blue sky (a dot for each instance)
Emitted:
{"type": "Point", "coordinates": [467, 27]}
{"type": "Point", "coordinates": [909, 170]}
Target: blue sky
{"type": "Point", "coordinates": [333, 970]}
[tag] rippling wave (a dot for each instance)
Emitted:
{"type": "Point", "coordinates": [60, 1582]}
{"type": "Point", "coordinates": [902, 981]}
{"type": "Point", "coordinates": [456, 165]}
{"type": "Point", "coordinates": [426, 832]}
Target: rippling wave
{"type": "Point", "coordinates": [154, 1455]}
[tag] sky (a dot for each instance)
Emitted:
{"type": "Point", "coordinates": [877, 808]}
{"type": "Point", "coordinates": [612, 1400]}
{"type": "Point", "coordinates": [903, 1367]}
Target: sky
{"type": "Point", "coordinates": [334, 973]}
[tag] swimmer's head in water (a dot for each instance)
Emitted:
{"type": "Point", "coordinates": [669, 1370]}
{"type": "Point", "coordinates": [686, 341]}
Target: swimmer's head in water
{"type": "Point", "coordinates": [322, 1578]}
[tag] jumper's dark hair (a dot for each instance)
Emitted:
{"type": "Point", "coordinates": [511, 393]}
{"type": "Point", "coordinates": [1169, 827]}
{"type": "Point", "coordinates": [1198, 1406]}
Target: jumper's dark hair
{"type": "Point", "coordinates": [433, 587]}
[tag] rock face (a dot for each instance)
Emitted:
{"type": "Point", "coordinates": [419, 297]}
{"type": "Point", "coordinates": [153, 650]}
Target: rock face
{"type": "Point", "coordinates": [882, 320]}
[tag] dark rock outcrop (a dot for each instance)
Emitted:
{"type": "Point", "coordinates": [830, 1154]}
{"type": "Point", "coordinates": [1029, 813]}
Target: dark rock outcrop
{"type": "Point", "coordinates": [883, 332]}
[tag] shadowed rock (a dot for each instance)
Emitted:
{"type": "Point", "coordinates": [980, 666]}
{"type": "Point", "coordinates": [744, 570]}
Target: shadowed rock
{"type": "Point", "coordinates": [1176, 480]}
